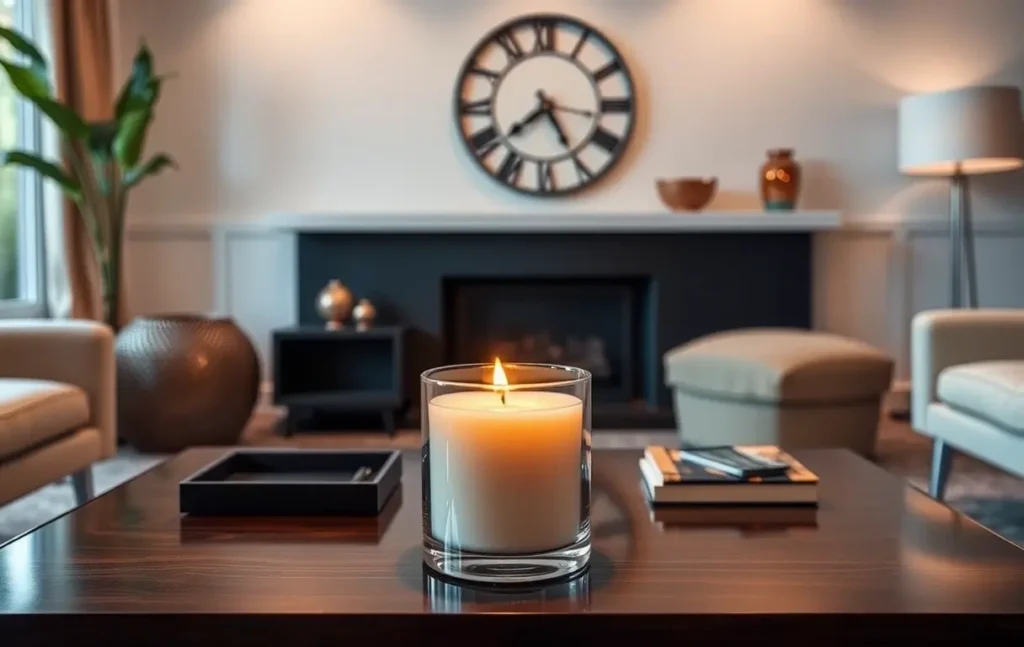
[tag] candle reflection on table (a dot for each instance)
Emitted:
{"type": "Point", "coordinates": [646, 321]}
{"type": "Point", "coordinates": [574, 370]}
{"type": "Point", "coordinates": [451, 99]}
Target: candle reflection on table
{"type": "Point", "coordinates": [442, 595]}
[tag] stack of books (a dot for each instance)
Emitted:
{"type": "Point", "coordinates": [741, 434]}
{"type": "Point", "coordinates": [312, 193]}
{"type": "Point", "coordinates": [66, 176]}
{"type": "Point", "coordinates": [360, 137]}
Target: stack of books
{"type": "Point", "coordinates": [717, 476]}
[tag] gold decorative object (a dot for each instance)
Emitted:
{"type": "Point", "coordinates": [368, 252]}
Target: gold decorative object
{"type": "Point", "coordinates": [364, 314]}
{"type": "Point", "coordinates": [780, 180]}
{"type": "Point", "coordinates": [687, 193]}
{"type": "Point", "coordinates": [334, 304]}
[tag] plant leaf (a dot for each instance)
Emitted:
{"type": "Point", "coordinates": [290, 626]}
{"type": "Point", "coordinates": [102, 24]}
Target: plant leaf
{"type": "Point", "coordinates": [100, 139]}
{"type": "Point", "coordinates": [123, 98]}
{"type": "Point", "coordinates": [46, 169]}
{"type": "Point", "coordinates": [131, 137]}
{"type": "Point", "coordinates": [23, 45]}
{"type": "Point", "coordinates": [152, 166]}
{"type": "Point", "coordinates": [100, 143]}
{"type": "Point", "coordinates": [138, 92]}
{"type": "Point", "coordinates": [66, 119]}
{"type": "Point", "coordinates": [36, 89]}
{"type": "Point", "coordinates": [27, 81]}
{"type": "Point", "coordinates": [142, 64]}
{"type": "Point", "coordinates": [152, 90]}
{"type": "Point", "coordinates": [142, 99]}
{"type": "Point", "coordinates": [37, 64]}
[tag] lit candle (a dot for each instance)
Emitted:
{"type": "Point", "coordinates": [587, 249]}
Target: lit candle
{"type": "Point", "coordinates": [505, 468]}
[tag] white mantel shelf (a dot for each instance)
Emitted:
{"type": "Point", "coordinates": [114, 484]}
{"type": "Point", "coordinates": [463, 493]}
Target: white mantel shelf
{"type": "Point", "coordinates": [539, 222]}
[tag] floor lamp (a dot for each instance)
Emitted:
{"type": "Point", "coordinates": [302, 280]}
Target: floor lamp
{"type": "Point", "coordinates": [956, 134]}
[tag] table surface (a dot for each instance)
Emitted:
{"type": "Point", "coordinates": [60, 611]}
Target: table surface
{"type": "Point", "coordinates": [879, 558]}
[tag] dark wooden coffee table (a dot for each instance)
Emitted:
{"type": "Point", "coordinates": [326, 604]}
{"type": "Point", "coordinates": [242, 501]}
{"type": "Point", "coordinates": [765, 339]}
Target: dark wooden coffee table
{"type": "Point", "coordinates": [882, 562]}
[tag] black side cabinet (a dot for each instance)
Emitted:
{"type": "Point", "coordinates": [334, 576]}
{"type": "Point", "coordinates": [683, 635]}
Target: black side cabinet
{"type": "Point", "coordinates": [329, 371]}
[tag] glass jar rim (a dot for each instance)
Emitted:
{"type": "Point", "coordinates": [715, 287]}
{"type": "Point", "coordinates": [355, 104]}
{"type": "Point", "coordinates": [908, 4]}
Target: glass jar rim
{"type": "Point", "coordinates": [580, 376]}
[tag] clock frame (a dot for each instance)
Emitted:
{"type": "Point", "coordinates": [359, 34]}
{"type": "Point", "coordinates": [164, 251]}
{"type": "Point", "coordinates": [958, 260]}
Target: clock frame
{"type": "Point", "coordinates": [592, 151]}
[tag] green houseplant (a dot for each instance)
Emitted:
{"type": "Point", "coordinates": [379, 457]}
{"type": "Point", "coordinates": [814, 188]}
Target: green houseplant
{"type": "Point", "coordinates": [101, 160]}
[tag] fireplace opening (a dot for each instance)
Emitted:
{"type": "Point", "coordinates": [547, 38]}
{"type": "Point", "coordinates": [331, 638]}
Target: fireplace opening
{"type": "Point", "coordinates": [601, 324]}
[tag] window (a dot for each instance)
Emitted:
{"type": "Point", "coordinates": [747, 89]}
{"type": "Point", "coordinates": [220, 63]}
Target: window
{"type": "Point", "coordinates": [21, 274]}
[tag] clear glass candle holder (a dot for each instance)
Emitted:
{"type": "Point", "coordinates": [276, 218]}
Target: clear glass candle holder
{"type": "Point", "coordinates": [506, 472]}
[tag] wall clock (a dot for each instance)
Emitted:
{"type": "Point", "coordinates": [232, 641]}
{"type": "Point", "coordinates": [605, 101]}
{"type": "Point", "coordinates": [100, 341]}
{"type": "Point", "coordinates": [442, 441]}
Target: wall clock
{"type": "Point", "coordinates": [545, 105]}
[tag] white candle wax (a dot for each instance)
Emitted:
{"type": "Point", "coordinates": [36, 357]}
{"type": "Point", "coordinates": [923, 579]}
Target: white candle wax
{"type": "Point", "coordinates": [505, 478]}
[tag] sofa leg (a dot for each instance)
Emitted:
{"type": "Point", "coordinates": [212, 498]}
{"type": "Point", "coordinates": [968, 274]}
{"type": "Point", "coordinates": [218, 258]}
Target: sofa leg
{"type": "Point", "coordinates": [942, 463]}
{"type": "Point", "coordinates": [82, 482]}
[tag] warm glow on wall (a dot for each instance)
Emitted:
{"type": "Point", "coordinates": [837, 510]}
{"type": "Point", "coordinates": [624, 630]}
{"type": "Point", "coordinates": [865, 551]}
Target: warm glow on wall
{"type": "Point", "coordinates": [889, 43]}
{"type": "Point", "coordinates": [913, 50]}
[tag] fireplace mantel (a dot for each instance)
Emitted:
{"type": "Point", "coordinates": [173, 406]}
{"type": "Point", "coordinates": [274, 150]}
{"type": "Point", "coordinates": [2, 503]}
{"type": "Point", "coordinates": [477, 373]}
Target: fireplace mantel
{"type": "Point", "coordinates": [541, 222]}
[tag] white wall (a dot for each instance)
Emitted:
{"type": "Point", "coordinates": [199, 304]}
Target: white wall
{"type": "Point", "coordinates": [326, 105]}
{"type": "Point", "coordinates": [344, 105]}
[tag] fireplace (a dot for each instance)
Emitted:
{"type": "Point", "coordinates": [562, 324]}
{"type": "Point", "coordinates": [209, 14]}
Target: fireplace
{"type": "Point", "coordinates": [597, 323]}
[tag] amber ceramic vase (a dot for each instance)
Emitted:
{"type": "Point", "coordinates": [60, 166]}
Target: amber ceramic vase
{"type": "Point", "coordinates": [780, 180]}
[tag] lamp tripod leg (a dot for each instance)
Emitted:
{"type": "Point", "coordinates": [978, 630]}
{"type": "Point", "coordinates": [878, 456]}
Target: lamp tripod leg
{"type": "Point", "coordinates": [956, 247]}
{"type": "Point", "coordinates": [970, 268]}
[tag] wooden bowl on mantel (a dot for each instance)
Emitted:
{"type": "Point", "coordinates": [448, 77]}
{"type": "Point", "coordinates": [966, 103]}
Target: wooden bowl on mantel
{"type": "Point", "coordinates": [687, 193]}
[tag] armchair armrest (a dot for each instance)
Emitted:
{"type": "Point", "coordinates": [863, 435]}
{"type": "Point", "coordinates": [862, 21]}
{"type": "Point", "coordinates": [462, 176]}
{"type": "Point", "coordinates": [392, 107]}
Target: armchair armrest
{"type": "Point", "coordinates": [943, 338]}
{"type": "Point", "coordinates": [76, 352]}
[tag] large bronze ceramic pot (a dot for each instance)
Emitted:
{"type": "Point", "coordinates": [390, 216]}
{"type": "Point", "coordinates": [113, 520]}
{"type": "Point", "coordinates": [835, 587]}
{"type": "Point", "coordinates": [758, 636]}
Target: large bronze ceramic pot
{"type": "Point", "coordinates": [184, 380]}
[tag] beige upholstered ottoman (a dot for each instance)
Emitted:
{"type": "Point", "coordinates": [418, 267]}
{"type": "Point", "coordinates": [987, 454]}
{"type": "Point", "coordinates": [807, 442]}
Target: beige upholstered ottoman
{"type": "Point", "coordinates": [788, 387]}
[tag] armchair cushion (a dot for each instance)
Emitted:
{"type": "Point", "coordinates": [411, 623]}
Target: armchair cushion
{"type": "Point", "coordinates": [33, 412]}
{"type": "Point", "coordinates": [74, 352]}
{"type": "Point", "coordinates": [991, 391]}
{"type": "Point", "coordinates": [942, 339]}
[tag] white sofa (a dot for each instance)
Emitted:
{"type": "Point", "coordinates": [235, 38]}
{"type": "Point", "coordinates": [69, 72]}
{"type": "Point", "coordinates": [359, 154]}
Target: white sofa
{"type": "Point", "coordinates": [57, 413]}
{"type": "Point", "coordinates": [967, 373]}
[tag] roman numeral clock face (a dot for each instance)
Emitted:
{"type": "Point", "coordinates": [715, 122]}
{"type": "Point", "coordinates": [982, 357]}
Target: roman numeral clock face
{"type": "Point", "coordinates": [545, 105]}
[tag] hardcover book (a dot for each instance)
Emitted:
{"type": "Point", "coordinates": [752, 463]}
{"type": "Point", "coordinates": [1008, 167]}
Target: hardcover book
{"type": "Point", "coordinates": [669, 479]}
{"type": "Point", "coordinates": [752, 517]}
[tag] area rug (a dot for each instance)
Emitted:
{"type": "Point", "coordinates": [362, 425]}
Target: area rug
{"type": "Point", "coordinates": [57, 498]}
{"type": "Point", "coordinates": [990, 497]}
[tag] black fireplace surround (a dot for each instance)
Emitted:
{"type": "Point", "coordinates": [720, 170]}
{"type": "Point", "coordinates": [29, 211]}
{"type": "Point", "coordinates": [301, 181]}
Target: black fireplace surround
{"type": "Point", "coordinates": [611, 303]}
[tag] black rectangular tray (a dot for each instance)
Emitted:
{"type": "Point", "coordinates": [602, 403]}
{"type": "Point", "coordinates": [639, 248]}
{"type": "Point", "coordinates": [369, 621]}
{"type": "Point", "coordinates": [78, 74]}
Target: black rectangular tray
{"type": "Point", "coordinates": [292, 482]}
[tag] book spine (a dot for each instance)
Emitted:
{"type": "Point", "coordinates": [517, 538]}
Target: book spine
{"type": "Point", "coordinates": [661, 460]}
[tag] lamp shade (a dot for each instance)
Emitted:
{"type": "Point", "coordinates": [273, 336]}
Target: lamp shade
{"type": "Point", "coordinates": [971, 130]}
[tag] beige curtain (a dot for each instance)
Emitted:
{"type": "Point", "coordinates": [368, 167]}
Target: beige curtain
{"type": "Point", "coordinates": [82, 58]}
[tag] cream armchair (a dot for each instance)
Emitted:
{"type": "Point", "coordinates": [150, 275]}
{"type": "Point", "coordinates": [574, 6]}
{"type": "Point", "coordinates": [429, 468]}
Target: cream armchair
{"type": "Point", "coordinates": [57, 413]}
{"type": "Point", "coordinates": [967, 374]}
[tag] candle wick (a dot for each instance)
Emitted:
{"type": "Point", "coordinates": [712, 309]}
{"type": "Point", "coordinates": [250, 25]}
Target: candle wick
{"type": "Point", "coordinates": [502, 398]}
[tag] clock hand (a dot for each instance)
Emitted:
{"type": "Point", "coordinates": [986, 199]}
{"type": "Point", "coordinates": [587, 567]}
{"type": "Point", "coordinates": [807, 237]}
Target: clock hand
{"type": "Point", "coordinates": [517, 127]}
{"type": "Point", "coordinates": [573, 111]}
{"type": "Point", "coordinates": [558, 129]}
{"type": "Point", "coordinates": [551, 105]}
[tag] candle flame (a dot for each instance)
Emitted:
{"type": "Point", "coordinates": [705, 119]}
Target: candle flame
{"type": "Point", "coordinates": [500, 379]}
{"type": "Point", "coordinates": [499, 374]}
